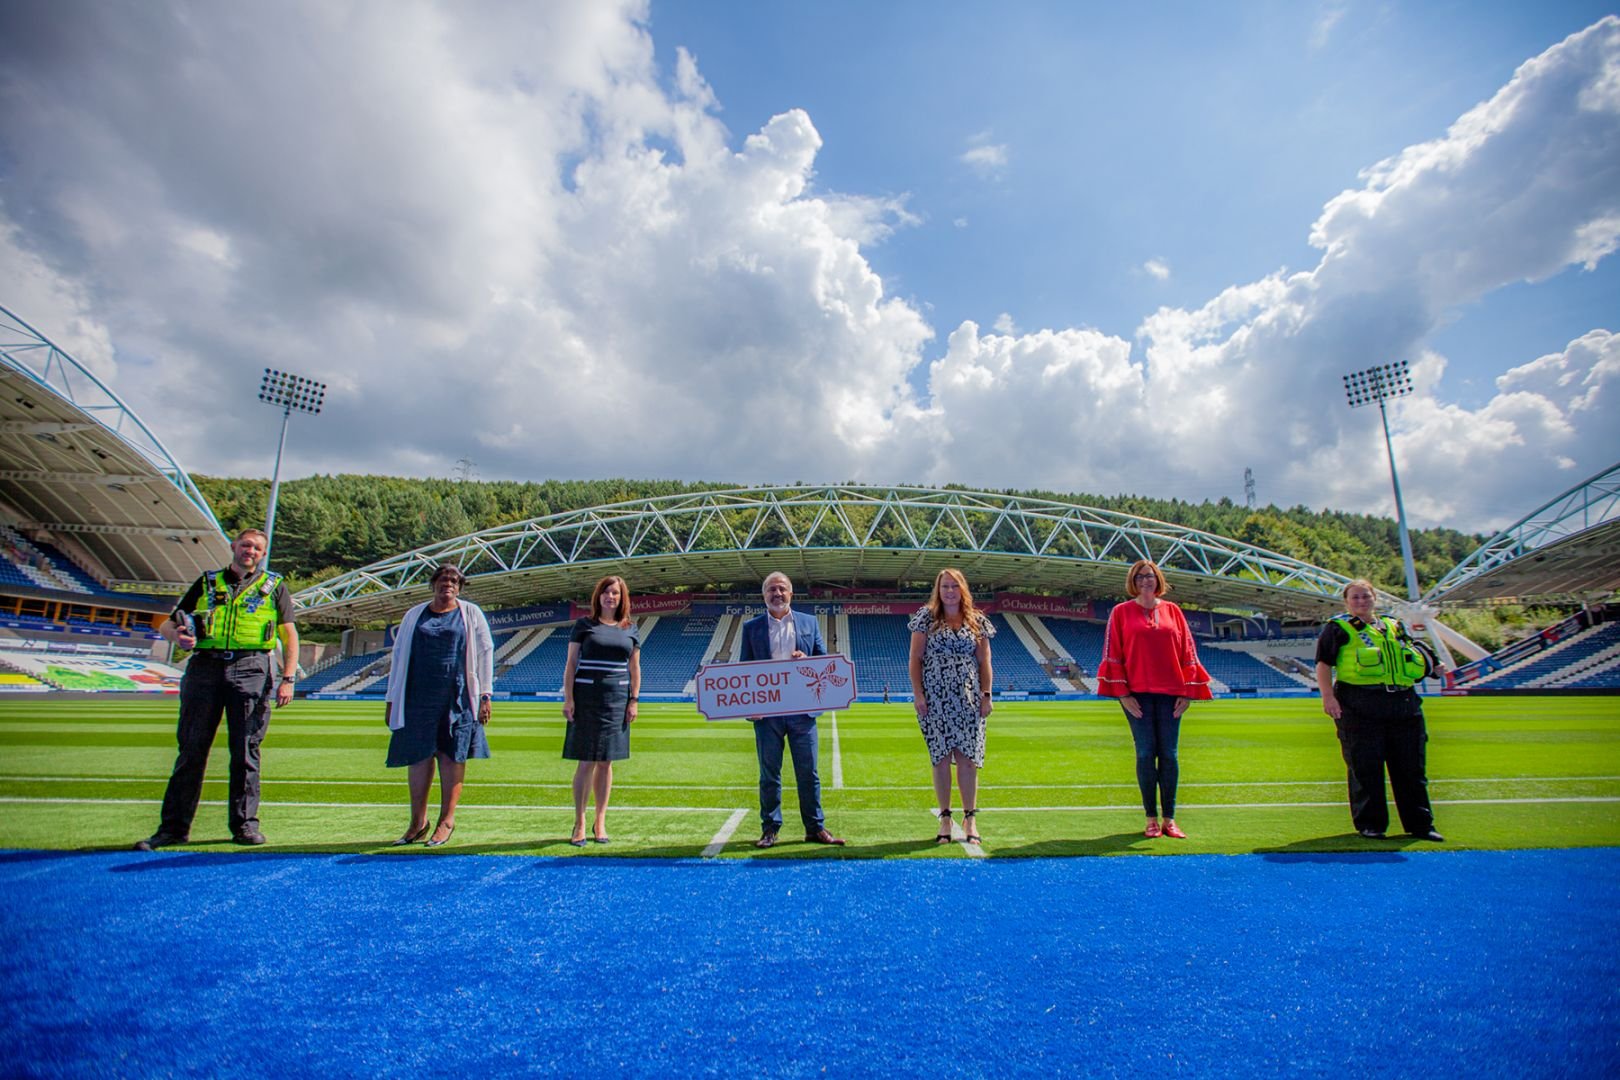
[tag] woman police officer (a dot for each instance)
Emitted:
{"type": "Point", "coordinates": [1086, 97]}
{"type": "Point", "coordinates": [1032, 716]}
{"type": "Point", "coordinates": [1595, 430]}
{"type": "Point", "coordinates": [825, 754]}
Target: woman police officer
{"type": "Point", "coordinates": [1367, 669]}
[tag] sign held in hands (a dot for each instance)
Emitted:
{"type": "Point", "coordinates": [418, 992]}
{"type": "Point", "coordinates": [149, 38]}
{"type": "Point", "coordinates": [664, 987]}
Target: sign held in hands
{"type": "Point", "coordinates": [809, 684]}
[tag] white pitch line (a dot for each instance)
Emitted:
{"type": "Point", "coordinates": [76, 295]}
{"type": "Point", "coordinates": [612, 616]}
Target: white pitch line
{"type": "Point", "coordinates": [537, 785]}
{"type": "Point", "coordinates": [837, 757]}
{"type": "Point", "coordinates": [1284, 805]}
{"type": "Point", "coordinates": [959, 834]}
{"type": "Point", "coordinates": [718, 844]}
{"type": "Point", "coordinates": [560, 808]}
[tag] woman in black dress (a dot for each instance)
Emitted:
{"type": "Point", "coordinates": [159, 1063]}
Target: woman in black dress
{"type": "Point", "coordinates": [600, 684]}
{"type": "Point", "coordinates": [438, 700]}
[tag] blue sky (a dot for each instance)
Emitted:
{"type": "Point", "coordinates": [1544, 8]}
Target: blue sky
{"type": "Point", "coordinates": [1074, 246]}
{"type": "Point", "coordinates": [1203, 136]}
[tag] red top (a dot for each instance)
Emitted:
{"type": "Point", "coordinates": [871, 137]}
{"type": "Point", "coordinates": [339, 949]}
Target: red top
{"type": "Point", "coordinates": [1150, 652]}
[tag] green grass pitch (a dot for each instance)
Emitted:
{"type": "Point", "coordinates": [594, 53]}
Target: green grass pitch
{"type": "Point", "coordinates": [1256, 776]}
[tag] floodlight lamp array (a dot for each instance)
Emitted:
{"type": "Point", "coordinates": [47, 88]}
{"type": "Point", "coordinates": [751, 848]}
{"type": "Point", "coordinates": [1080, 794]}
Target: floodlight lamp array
{"type": "Point", "coordinates": [1378, 383]}
{"type": "Point", "coordinates": [290, 391]}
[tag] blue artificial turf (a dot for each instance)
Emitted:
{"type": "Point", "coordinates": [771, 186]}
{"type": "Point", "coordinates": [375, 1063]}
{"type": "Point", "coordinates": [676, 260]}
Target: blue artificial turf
{"type": "Point", "coordinates": [1439, 963]}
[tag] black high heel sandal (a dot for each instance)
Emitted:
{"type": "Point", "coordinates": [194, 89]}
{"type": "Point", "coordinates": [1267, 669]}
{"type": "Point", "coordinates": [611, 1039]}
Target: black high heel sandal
{"type": "Point", "coordinates": [944, 820]}
{"type": "Point", "coordinates": [972, 834]}
{"type": "Point", "coordinates": [410, 837]}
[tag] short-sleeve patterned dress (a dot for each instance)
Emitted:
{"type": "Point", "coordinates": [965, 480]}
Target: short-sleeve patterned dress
{"type": "Point", "coordinates": [951, 685]}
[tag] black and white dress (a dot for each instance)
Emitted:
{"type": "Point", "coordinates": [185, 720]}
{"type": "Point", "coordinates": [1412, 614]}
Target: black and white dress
{"type": "Point", "coordinates": [600, 730]}
{"type": "Point", "coordinates": [951, 686]}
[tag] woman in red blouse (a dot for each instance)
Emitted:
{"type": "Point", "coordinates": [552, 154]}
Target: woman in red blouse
{"type": "Point", "coordinates": [1150, 664]}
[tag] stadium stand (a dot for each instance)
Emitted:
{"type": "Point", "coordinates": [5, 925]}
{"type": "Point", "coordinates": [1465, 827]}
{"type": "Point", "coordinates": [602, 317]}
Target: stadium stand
{"type": "Point", "coordinates": [1243, 672]}
{"type": "Point", "coordinates": [128, 670]}
{"type": "Point", "coordinates": [1605, 676]}
{"type": "Point", "coordinates": [540, 671]}
{"type": "Point", "coordinates": [327, 676]}
{"type": "Point", "coordinates": [15, 682]}
{"type": "Point", "coordinates": [1015, 668]}
{"type": "Point", "coordinates": [879, 646]}
{"type": "Point", "coordinates": [37, 563]}
{"type": "Point", "coordinates": [672, 652]}
{"type": "Point", "coordinates": [1571, 656]}
{"type": "Point", "coordinates": [1080, 639]}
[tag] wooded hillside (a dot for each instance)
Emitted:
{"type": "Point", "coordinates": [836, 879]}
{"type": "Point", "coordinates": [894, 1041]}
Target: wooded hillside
{"type": "Point", "coordinates": [328, 524]}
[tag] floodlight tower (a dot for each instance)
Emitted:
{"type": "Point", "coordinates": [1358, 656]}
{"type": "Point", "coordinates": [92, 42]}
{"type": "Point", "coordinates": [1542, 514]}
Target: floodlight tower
{"type": "Point", "coordinates": [1380, 383]}
{"type": "Point", "coordinates": [288, 392]}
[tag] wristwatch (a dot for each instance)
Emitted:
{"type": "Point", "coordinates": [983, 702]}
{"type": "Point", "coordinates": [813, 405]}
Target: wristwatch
{"type": "Point", "coordinates": [290, 678]}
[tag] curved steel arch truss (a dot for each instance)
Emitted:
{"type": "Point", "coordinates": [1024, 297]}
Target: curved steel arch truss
{"type": "Point", "coordinates": [887, 537]}
{"type": "Point", "coordinates": [1570, 546]}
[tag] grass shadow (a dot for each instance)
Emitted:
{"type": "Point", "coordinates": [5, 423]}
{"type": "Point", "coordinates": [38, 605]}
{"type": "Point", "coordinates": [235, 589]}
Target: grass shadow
{"type": "Point", "coordinates": [1339, 847]}
{"type": "Point", "coordinates": [1112, 844]}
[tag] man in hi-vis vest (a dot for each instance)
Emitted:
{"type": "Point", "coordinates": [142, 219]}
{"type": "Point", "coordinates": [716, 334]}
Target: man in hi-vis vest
{"type": "Point", "coordinates": [232, 618]}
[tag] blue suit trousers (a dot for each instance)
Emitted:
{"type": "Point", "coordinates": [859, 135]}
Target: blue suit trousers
{"type": "Point", "coordinates": [799, 732]}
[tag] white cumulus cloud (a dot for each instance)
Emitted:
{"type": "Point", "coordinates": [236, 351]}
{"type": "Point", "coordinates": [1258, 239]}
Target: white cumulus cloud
{"type": "Point", "coordinates": [501, 234]}
{"type": "Point", "coordinates": [984, 156]}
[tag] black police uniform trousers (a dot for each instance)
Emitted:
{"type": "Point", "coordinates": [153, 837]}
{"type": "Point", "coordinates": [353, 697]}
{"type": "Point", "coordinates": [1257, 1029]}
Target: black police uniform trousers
{"type": "Point", "coordinates": [1379, 728]}
{"type": "Point", "coordinates": [239, 686]}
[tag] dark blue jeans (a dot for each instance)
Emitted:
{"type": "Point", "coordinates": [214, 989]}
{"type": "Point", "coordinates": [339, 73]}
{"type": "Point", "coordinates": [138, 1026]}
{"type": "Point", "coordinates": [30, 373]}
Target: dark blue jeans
{"type": "Point", "coordinates": [1155, 735]}
{"type": "Point", "coordinates": [800, 734]}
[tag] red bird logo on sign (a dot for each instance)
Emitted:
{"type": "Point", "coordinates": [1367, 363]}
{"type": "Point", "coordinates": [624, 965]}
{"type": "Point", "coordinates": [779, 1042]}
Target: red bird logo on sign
{"type": "Point", "coordinates": [820, 680]}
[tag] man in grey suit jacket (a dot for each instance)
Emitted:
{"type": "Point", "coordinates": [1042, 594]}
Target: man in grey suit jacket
{"type": "Point", "coordinates": [780, 634]}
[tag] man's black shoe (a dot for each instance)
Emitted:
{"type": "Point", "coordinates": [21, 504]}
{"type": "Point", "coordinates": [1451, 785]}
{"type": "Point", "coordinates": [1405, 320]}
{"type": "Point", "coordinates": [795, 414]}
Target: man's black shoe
{"type": "Point", "coordinates": [1372, 834]}
{"type": "Point", "coordinates": [249, 835]}
{"type": "Point", "coordinates": [157, 840]}
{"type": "Point", "coordinates": [1428, 834]}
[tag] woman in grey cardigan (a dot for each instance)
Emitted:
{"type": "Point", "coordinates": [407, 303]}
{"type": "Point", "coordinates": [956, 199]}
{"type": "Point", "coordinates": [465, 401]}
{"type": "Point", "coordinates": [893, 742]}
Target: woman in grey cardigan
{"type": "Point", "coordinates": [438, 700]}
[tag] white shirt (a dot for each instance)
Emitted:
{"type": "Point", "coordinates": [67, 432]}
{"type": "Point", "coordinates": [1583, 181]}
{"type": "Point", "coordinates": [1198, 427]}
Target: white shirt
{"type": "Point", "coordinates": [783, 638]}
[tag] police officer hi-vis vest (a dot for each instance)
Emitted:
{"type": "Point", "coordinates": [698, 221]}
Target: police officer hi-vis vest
{"type": "Point", "coordinates": [244, 620]}
{"type": "Point", "coordinates": [1379, 654]}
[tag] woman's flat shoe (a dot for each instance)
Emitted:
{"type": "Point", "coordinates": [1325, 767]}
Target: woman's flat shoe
{"type": "Point", "coordinates": [410, 837]}
{"type": "Point", "coordinates": [578, 841]}
{"type": "Point", "coordinates": [446, 840]}
{"type": "Point", "coordinates": [1153, 832]}
{"type": "Point", "coordinates": [602, 839]}
{"type": "Point", "coordinates": [1171, 829]}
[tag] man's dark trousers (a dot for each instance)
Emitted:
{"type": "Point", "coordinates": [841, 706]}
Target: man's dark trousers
{"type": "Point", "coordinates": [239, 686]}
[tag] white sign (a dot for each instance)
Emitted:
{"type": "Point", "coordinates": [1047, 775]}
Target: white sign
{"type": "Point", "coordinates": [810, 684]}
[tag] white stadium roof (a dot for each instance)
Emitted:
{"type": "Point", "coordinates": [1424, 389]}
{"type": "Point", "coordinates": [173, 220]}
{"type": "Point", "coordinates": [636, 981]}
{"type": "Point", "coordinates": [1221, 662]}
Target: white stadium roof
{"type": "Point", "coordinates": [76, 462]}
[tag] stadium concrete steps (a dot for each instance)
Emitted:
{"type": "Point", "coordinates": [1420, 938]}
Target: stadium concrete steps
{"type": "Point", "coordinates": [367, 675]}
{"type": "Point", "coordinates": [533, 642]}
{"type": "Point", "coordinates": [733, 648]}
{"type": "Point", "coordinates": [516, 640]}
{"type": "Point", "coordinates": [1050, 645]}
{"type": "Point", "coordinates": [717, 645]}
